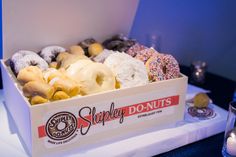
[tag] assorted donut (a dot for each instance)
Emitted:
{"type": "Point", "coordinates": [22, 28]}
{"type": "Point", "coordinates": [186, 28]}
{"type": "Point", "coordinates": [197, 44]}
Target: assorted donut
{"type": "Point", "coordinates": [57, 73]}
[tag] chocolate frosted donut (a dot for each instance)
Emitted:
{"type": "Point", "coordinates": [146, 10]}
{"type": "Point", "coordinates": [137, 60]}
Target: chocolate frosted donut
{"type": "Point", "coordinates": [86, 43]}
{"type": "Point", "coordinates": [118, 43]}
{"type": "Point", "coordinates": [50, 53]}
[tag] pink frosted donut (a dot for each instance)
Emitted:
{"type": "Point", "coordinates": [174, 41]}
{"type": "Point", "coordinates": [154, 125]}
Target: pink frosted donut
{"type": "Point", "coordinates": [145, 54]}
{"type": "Point", "coordinates": [133, 50]}
{"type": "Point", "coordinates": [162, 67]}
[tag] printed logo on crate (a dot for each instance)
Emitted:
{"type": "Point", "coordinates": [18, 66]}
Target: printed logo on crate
{"type": "Point", "coordinates": [66, 127]}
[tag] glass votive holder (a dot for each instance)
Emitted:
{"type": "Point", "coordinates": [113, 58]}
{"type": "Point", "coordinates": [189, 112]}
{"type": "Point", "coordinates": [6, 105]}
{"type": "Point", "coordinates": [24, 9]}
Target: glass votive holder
{"type": "Point", "coordinates": [229, 147]}
{"type": "Point", "coordinates": [198, 72]}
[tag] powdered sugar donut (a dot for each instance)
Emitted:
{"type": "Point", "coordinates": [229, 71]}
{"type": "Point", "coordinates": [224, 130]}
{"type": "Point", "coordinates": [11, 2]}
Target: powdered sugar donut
{"type": "Point", "coordinates": [145, 54]}
{"type": "Point", "coordinates": [29, 60]}
{"type": "Point", "coordinates": [133, 50]}
{"type": "Point", "coordinates": [19, 54]}
{"type": "Point", "coordinates": [103, 55]}
{"type": "Point", "coordinates": [162, 67]}
{"type": "Point", "coordinates": [50, 53]}
{"type": "Point", "coordinates": [129, 72]}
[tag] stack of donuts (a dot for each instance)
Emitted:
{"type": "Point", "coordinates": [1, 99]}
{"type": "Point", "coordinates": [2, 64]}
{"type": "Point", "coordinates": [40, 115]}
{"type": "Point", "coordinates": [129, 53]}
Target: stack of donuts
{"type": "Point", "coordinates": [56, 73]}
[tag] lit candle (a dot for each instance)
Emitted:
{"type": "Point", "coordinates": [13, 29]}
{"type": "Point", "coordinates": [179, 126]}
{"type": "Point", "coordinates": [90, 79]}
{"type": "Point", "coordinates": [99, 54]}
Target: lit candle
{"type": "Point", "coordinates": [231, 144]}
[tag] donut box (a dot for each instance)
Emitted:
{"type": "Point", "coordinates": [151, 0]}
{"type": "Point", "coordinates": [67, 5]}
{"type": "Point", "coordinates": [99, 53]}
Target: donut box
{"type": "Point", "coordinates": [81, 123]}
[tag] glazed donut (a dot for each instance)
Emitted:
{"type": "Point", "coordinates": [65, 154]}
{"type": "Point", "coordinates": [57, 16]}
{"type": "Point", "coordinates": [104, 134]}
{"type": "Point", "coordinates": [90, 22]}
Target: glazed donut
{"type": "Point", "coordinates": [30, 60]}
{"type": "Point", "coordinates": [96, 77]}
{"type": "Point", "coordinates": [133, 50]}
{"type": "Point", "coordinates": [129, 72]}
{"type": "Point", "coordinates": [66, 62]}
{"type": "Point", "coordinates": [53, 65]}
{"type": "Point", "coordinates": [162, 67]}
{"type": "Point", "coordinates": [61, 82]}
{"type": "Point", "coordinates": [50, 53]}
{"type": "Point", "coordinates": [60, 95]}
{"type": "Point", "coordinates": [61, 56]}
{"type": "Point", "coordinates": [37, 100]}
{"type": "Point", "coordinates": [76, 49]}
{"type": "Point", "coordinates": [65, 84]}
{"type": "Point", "coordinates": [77, 66]}
{"type": "Point", "coordinates": [95, 49]}
{"type": "Point", "coordinates": [37, 88]}
{"type": "Point", "coordinates": [30, 73]}
{"type": "Point", "coordinates": [145, 54]}
{"type": "Point", "coordinates": [51, 73]}
{"type": "Point", "coordinates": [103, 55]}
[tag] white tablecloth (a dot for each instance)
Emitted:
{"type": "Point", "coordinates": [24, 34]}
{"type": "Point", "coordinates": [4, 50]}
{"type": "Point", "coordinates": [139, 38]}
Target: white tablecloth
{"type": "Point", "coordinates": [155, 142]}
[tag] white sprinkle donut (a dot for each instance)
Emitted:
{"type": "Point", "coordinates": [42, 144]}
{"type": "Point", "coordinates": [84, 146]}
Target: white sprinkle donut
{"type": "Point", "coordinates": [129, 72]}
{"type": "Point", "coordinates": [94, 78]}
{"type": "Point", "coordinates": [30, 60]}
{"type": "Point", "coordinates": [162, 67]}
{"type": "Point", "coordinates": [20, 54]}
{"type": "Point", "coordinates": [50, 53]}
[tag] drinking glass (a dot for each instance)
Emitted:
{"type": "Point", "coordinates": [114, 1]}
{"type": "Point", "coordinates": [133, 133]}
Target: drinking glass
{"type": "Point", "coordinates": [229, 147]}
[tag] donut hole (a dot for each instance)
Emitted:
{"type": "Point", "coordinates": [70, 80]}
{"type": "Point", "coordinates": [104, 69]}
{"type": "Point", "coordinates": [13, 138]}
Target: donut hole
{"type": "Point", "coordinates": [33, 63]}
{"type": "Point", "coordinates": [99, 80]}
{"type": "Point", "coordinates": [164, 69]}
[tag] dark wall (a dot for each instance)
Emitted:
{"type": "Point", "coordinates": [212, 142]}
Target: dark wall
{"type": "Point", "coordinates": [191, 30]}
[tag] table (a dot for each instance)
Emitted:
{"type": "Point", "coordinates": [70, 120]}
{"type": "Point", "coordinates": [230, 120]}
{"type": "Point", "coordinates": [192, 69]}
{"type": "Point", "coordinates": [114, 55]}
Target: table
{"type": "Point", "coordinates": [222, 92]}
